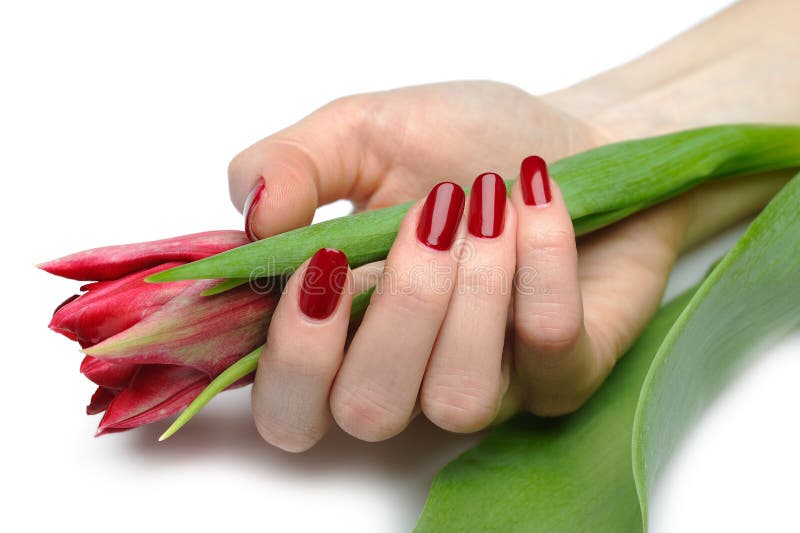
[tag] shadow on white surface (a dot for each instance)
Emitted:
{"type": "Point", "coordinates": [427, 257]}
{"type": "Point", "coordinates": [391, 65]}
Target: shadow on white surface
{"type": "Point", "coordinates": [740, 455]}
{"type": "Point", "coordinates": [224, 435]}
{"type": "Point", "coordinates": [227, 429]}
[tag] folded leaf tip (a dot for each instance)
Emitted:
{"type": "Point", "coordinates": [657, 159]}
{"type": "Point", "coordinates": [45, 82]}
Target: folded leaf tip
{"type": "Point", "coordinates": [171, 274]}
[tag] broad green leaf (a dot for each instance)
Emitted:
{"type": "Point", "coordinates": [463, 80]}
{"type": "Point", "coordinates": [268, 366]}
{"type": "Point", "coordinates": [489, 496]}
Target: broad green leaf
{"type": "Point", "coordinates": [591, 471]}
{"type": "Point", "coordinates": [600, 186]}
{"type": "Point", "coordinates": [752, 297]}
{"type": "Point", "coordinates": [571, 473]}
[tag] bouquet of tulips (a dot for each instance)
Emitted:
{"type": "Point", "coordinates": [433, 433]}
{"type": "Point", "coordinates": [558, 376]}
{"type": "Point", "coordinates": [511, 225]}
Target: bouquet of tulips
{"type": "Point", "coordinates": [166, 325]}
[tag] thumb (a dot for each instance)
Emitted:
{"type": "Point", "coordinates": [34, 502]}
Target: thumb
{"type": "Point", "coordinates": [279, 182]}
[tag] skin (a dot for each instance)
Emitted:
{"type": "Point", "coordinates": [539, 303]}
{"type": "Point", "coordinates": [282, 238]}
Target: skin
{"type": "Point", "coordinates": [468, 358]}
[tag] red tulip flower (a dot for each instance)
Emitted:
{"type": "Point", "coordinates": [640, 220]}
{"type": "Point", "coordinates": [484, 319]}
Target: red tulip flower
{"type": "Point", "coordinates": [151, 348]}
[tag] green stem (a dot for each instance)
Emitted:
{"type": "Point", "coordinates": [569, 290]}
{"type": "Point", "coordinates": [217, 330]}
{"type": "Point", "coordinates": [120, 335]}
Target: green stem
{"type": "Point", "coordinates": [600, 186]}
{"type": "Point", "coordinates": [241, 368]}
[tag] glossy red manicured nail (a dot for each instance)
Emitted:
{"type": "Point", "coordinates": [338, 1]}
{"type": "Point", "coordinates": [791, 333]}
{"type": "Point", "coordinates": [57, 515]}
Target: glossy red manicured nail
{"type": "Point", "coordinates": [535, 181]}
{"type": "Point", "coordinates": [250, 207]}
{"type": "Point", "coordinates": [323, 283]}
{"type": "Point", "coordinates": [440, 216]}
{"type": "Point", "coordinates": [487, 204]}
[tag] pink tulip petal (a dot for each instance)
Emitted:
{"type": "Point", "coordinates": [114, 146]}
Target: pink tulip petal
{"type": "Point", "coordinates": [108, 375]}
{"type": "Point", "coordinates": [155, 392]}
{"type": "Point", "coordinates": [112, 262]}
{"type": "Point", "coordinates": [100, 401]}
{"type": "Point", "coordinates": [65, 302]}
{"type": "Point", "coordinates": [208, 333]}
{"type": "Point", "coordinates": [113, 306]}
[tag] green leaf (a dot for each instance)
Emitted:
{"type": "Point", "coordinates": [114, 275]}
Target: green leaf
{"type": "Point", "coordinates": [591, 471]}
{"type": "Point", "coordinates": [571, 473]}
{"type": "Point", "coordinates": [224, 286]}
{"type": "Point", "coordinates": [363, 237]}
{"type": "Point", "coordinates": [749, 300]}
{"type": "Point", "coordinates": [600, 186]}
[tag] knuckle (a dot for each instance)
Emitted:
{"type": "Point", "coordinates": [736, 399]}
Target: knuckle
{"type": "Point", "coordinates": [348, 111]}
{"type": "Point", "coordinates": [464, 406]}
{"type": "Point", "coordinates": [411, 293]}
{"type": "Point", "coordinates": [413, 302]}
{"type": "Point", "coordinates": [486, 280]}
{"type": "Point", "coordinates": [366, 414]}
{"type": "Point", "coordinates": [344, 103]}
{"type": "Point", "coordinates": [553, 406]}
{"type": "Point", "coordinates": [559, 395]}
{"type": "Point", "coordinates": [550, 331]}
{"type": "Point", "coordinates": [550, 241]}
{"type": "Point", "coordinates": [288, 437]}
{"type": "Point", "coordinates": [315, 362]}
{"type": "Point", "coordinates": [236, 166]}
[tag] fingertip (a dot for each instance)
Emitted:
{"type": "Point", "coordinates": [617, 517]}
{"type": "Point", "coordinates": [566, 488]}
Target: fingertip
{"type": "Point", "coordinates": [304, 349]}
{"type": "Point", "coordinates": [460, 408]}
{"type": "Point", "coordinates": [282, 435]}
{"type": "Point", "coordinates": [282, 200]}
{"type": "Point", "coordinates": [318, 292]}
{"type": "Point", "coordinates": [538, 201]}
{"type": "Point", "coordinates": [250, 205]}
{"type": "Point", "coordinates": [314, 161]}
{"type": "Point", "coordinates": [555, 193]}
{"type": "Point", "coordinates": [243, 171]}
{"type": "Point", "coordinates": [324, 284]}
{"type": "Point", "coordinates": [366, 414]}
{"type": "Point", "coordinates": [511, 218]}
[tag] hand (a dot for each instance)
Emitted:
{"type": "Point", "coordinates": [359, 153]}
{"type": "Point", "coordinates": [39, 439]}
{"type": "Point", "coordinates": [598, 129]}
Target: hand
{"type": "Point", "coordinates": [439, 342]}
{"type": "Point", "coordinates": [387, 148]}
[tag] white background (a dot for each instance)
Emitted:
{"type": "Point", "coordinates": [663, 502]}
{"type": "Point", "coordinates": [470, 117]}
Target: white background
{"type": "Point", "coordinates": [117, 124]}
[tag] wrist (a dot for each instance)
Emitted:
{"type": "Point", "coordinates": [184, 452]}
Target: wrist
{"type": "Point", "coordinates": [736, 67]}
{"type": "Point", "coordinates": [594, 102]}
{"type": "Point", "coordinates": [634, 101]}
{"type": "Point", "coordinates": [717, 205]}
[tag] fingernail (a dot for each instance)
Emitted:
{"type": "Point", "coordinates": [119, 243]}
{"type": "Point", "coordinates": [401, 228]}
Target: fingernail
{"type": "Point", "coordinates": [323, 282]}
{"type": "Point", "coordinates": [440, 216]}
{"type": "Point", "coordinates": [250, 207]}
{"type": "Point", "coordinates": [487, 204]}
{"type": "Point", "coordinates": [535, 181]}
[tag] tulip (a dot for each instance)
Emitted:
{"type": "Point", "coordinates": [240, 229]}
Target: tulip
{"type": "Point", "coordinates": [154, 392]}
{"type": "Point", "coordinates": [110, 307]}
{"type": "Point", "coordinates": [152, 348]}
{"type": "Point", "coordinates": [112, 262]}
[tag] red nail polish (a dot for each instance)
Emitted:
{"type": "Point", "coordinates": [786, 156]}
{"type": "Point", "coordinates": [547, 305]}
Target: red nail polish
{"type": "Point", "coordinates": [535, 181]}
{"type": "Point", "coordinates": [487, 204]}
{"type": "Point", "coordinates": [250, 207]}
{"type": "Point", "coordinates": [323, 282]}
{"type": "Point", "coordinates": [440, 216]}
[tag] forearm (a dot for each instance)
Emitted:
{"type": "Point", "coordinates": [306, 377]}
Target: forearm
{"type": "Point", "coordinates": [739, 66]}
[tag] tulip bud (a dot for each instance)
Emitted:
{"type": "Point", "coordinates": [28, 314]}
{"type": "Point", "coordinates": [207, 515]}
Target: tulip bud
{"type": "Point", "coordinates": [155, 392]}
{"type": "Point", "coordinates": [110, 307]}
{"type": "Point", "coordinates": [207, 333]}
{"type": "Point", "coordinates": [112, 262]}
{"type": "Point", "coordinates": [107, 375]}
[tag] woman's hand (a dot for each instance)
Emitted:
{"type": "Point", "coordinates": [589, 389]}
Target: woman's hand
{"type": "Point", "coordinates": [387, 148]}
{"type": "Point", "coordinates": [435, 335]}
